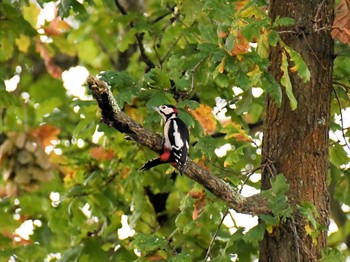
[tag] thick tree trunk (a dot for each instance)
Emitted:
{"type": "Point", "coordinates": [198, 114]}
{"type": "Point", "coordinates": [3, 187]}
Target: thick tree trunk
{"type": "Point", "coordinates": [296, 142]}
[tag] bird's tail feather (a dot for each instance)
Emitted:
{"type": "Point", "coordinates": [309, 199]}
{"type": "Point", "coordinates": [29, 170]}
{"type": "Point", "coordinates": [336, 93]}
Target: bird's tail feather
{"type": "Point", "coordinates": [152, 163]}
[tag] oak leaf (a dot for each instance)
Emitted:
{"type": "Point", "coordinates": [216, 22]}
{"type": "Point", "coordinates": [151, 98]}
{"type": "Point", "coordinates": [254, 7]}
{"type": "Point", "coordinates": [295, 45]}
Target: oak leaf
{"type": "Point", "coordinates": [203, 114]}
{"type": "Point", "coordinates": [341, 23]}
{"type": "Point", "coordinates": [199, 204]}
{"type": "Point", "coordinates": [101, 154]}
{"type": "Point", "coordinates": [45, 134]}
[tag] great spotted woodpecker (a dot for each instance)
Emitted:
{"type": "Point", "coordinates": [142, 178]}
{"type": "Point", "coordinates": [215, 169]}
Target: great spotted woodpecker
{"type": "Point", "coordinates": [176, 140]}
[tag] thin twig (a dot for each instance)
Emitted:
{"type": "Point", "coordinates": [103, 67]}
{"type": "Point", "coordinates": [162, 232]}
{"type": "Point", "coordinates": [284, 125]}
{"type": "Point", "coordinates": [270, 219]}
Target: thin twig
{"type": "Point", "coordinates": [316, 17]}
{"type": "Point", "coordinates": [139, 39]}
{"type": "Point", "coordinates": [288, 32]}
{"type": "Point", "coordinates": [341, 52]}
{"type": "Point", "coordinates": [161, 61]}
{"type": "Point", "coordinates": [341, 118]}
{"type": "Point", "coordinates": [250, 173]}
{"type": "Point", "coordinates": [193, 72]}
{"type": "Point", "coordinates": [313, 52]}
{"type": "Point", "coordinates": [215, 235]}
{"type": "Point", "coordinates": [345, 87]}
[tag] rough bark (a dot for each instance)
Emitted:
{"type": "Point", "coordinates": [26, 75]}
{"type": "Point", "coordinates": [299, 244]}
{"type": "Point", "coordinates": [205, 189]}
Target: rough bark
{"type": "Point", "coordinates": [296, 142]}
{"type": "Point", "coordinates": [113, 116]}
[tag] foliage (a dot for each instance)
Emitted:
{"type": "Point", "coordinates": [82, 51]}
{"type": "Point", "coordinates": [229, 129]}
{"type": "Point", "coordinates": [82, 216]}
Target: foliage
{"type": "Point", "coordinates": [81, 185]}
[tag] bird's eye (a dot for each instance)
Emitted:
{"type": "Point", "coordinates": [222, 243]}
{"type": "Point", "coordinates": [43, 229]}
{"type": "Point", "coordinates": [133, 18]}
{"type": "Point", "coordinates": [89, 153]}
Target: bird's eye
{"type": "Point", "coordinates": [163, 107]}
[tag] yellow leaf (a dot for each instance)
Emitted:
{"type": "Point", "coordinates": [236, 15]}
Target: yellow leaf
{"type": "Point", "coordinates": [222, 65]}
{"type": "Point", "coordinates": [308, 229]}
{"type": "Point", "coordinates": [23, 43]}
{"type": "Point", "coordinates": [31, 13]}
{"type": "Point", "coordinates": [263, 48]}
{"type": "Point", "coordinates": [269, 229]}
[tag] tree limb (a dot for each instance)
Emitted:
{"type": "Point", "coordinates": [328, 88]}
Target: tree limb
{"type": "Point", "coordinates": [113, 116]}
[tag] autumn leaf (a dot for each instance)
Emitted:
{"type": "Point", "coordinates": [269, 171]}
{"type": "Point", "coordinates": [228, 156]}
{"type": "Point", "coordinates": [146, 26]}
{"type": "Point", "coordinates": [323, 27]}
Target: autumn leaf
{"type": "Point", "coordinates": [101, 154]}
{"type": "Point", "coordinates": [54, 70]}
{"type": "Point", "coordinates": [203, 114]}
{"type": "Point", "coordinates": [341, 23]}
{"type": "Point", "coordinates": [56, 27]}
{"type": "Point", "coordinates": [235, 130]}
{"type": "Point", "coordinates": [45, 134]}
{"type": "Point", "coordinates": [199, 204]}
{"type": "Point", "coordinates": [241, 45]}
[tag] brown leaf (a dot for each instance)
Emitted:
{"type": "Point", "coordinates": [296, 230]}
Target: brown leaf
{"type": "Point", "coordinates": [101, 154]}
{"type": "Point", "coordinates": [203, 114]}
{"type": "Point", "coordinates": [199, 204]}
{"type": "Point", "coordinates": [45, 134]}
{"type": "Point", "coordinates": [341, 23]}
{"type": "Point", "coordinates": [241, 45]}
{"type": "Point", "coordinates": [54, 70]}
{"type": "Point", "coordinates": [56, 27]}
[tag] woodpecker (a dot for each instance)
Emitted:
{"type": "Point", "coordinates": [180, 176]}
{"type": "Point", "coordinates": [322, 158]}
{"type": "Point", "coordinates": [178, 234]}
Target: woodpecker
{"type": "Point", "coordinates": [176, 140]}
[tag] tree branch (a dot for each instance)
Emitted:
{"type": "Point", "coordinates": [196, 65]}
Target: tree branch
{"type": "Point", "coordinates": [113, 116]}
{"type": "Point", "coordinates": [139, 39]}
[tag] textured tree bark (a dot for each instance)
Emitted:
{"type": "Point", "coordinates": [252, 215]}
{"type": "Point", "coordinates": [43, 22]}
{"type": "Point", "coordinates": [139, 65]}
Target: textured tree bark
{"type": "Point", "coordinates": [296, 142]}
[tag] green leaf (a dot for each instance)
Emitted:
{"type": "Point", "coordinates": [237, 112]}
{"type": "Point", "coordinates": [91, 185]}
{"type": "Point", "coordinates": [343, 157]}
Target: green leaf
{"type": "Point", "coordinates": [208, 32]}
{"type": "Point", "coordinates": [277, 199]}
{"type": "Point", "coordinates": [255, 234]}
{"type": "Point", "coordinates": [272, 87]}
{"type": "Point", "coordinates": [157, 78]}
{"type": "Point", "coordinates": [6, 47]}
{"type": "Point", "coordinates": [273, 37]}
{"type": "Point", "coordinates": [332, 255]}
{"type": "Point", "coordinates": [283, 21]}
{"type": "Point", "coordinates": [309, 211]}
{"type": "Point", "coordinates": [299, 65]}
{"type": "Point", "coordinates": [235, 155]}
{"type": "Point", "coordinates": [182, 257]}
{"type": "Point", "coordinates": [207, 145]}
{"type": "Point", "coordinates": [127, 40]}
{"type": "Point", "coordinates": [285, 81]}
{"type": "Point", "coordinates": [337, 155]}
{"type": "Point", "coordinates": [64, 7]}
{"type": "Point", "coordinates": [147, 243]}
{"type": "Point", "coordinates": [72, 254]}
{"type": "Point", "coordinates": [126, 85]}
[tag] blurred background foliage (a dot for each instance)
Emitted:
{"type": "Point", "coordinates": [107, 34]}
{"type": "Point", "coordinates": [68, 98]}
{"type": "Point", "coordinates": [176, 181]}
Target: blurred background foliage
{"type": "Point", "coordinates": [75, 182]}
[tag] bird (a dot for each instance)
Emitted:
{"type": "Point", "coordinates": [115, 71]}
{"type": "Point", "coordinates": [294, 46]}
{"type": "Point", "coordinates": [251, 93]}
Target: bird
{"type": "Point", "coordinates": [176, 140]}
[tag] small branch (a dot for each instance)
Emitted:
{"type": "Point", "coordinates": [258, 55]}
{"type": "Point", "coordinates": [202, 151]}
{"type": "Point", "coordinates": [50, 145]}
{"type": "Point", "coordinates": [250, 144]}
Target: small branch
{"type": "Point", "coordinates": [215, 235]}
{"type": "Point", "coordinates": [113, 116]}
{"type": "Point", "coordinates": [139, 39]}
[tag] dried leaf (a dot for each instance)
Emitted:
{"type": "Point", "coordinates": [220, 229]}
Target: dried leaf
{"type": "Point", "coordinates": [101, 154]}
{"type": "Point", "coordinates": [203, 114]}
{"type": "Point", "coordinates": [45, 134]}
{"type": "Point", "coordinates": [222, 34]}
{"type": "Point", "coordinates": [241, 45]}
{"type": "Point", "coordinates": [54, 70]}
{"type": "Point", "coordinates": [56, 27]}
{"type": "Point", "coordinates": [341, 23]}
{"type": "Point", "coordinates": [199, 204]}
